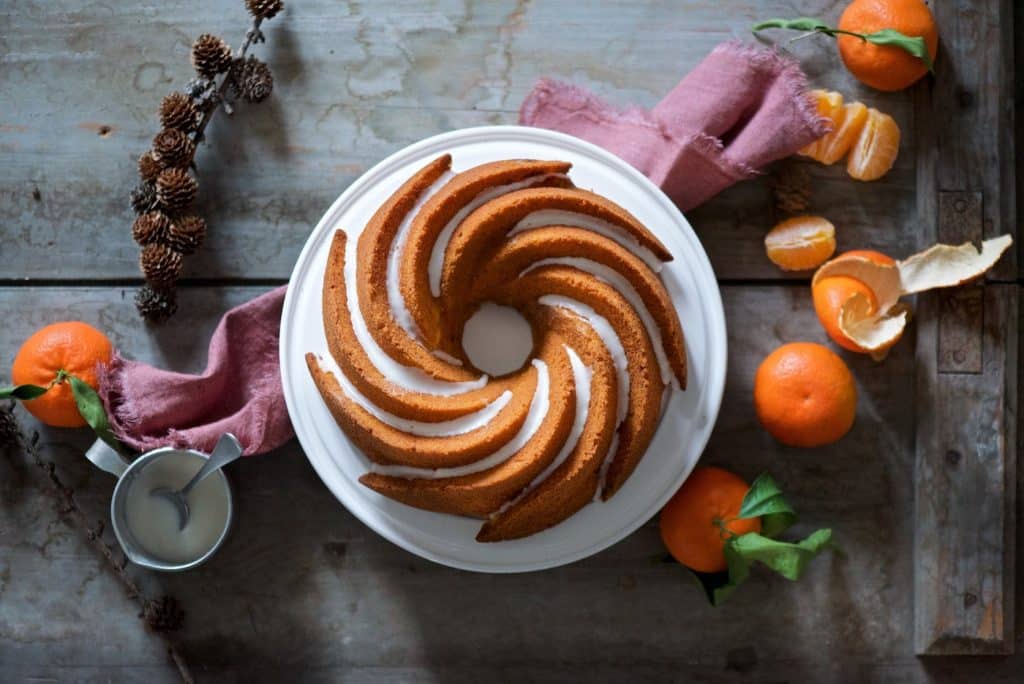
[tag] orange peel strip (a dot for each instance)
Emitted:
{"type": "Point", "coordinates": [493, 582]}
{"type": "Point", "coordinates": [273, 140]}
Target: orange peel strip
{"type": "Point", "coordinates": [877, 329]}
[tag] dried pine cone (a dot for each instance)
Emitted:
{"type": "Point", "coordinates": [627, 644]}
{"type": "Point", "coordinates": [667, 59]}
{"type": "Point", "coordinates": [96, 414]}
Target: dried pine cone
{"type": "Point", "coordinates": [210, 55]}
{"type": "Point", "coordinates": [161, 265]}
{"type": "Point", "coordinates": [177, 110]}
{"type": "Point", "coordinates": [153, 226]}
{"type": "Point", "coordinates": [187, 233]}
{"type": "Point", "coordinates": [251, 79]}
{"type": "Point", "coordinates": [149, 167]}
{"type": "Point", "coordinates": [264, 9]}
{"type": "Point", "coordinates": [792, 189]}
{"type": "Point", "coordinates": [164, 614]}
{"type": "Point", "coordinates": [175, 189]}
{"type": "Point", "coordinates": [144, 198]}
{"type": "Point", "coordinates": [171, 147]}
{"type": "Point", "coordinates": [156, 305]}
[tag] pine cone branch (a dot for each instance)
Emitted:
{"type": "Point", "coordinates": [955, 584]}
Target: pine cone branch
{"type": "Point", "coordinates": [163, 228]}
{"type": "Point", "coordinates": [210, 55]}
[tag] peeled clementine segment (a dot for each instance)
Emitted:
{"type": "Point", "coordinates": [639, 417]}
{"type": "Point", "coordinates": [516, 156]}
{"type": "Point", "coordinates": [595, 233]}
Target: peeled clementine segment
{"type": "Point", "coordinates": [875, 150]}
{"type": "Point", "coordinates": [869, 137]}
{"type": "Point", "coordinates": [830, 105]}
{"type": "Point", "coordinates": [874, 319]}
{"type": "Point", "coordinates": [847, 127]}
{"type": "Point", "coordinates": [800, 243]}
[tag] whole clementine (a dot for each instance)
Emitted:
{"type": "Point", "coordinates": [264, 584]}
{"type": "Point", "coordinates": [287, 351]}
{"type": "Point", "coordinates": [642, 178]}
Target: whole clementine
{"type": "Point", "coordinates": [72, 346]}
{"type": "Point", "coordinates": [804, 395]}
{"type": "Point", "coordinates": [886, 67]}
{"type": "Point", "coordinates": [829, 295]}
{"type": "Point", "coordinates": [699, 518]}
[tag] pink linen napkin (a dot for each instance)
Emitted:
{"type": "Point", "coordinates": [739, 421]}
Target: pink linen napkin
{"type": "Point", "coordinates": [239, 392]}
{"type": "Point", "coordinates": [738, 110]}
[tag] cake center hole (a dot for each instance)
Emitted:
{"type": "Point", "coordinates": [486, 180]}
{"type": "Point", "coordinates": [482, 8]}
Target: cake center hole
{"type": "Point", "coordinates": [497, 339]}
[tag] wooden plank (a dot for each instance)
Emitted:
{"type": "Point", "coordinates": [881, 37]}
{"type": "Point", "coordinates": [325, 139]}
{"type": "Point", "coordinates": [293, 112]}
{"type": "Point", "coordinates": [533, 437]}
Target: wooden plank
{"type": "Point", "coordinates": [965, 491]}
{"type": "Point", "coordinates": [353, 83]}
{"type": "Point", "coordinates": [966, 456]}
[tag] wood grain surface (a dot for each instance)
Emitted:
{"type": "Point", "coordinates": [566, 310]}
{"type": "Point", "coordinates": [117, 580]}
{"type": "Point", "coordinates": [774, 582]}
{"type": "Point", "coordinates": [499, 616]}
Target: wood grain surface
{"type": "Point", "coordinates": [966, 456]}
{"type": "Point", "coordinates": [303, 591]}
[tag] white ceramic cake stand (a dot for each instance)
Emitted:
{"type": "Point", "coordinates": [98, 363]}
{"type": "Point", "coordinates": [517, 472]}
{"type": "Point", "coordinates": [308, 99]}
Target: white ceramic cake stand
{"type": "Point", "coordinates": [685, 426]}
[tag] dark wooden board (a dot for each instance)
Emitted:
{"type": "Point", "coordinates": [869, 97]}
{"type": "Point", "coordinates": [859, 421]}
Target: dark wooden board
{"type": "Point", "coordinates": [966, 461]}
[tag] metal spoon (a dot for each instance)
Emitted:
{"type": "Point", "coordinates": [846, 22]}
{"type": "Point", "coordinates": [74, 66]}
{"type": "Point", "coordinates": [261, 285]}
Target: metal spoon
{"type": "Point", "coordinates": [226, 451]}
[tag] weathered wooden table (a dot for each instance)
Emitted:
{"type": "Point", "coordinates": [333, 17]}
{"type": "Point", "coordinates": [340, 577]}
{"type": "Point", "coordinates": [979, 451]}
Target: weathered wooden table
{"type": "Point", "coordinates": [302, 589]}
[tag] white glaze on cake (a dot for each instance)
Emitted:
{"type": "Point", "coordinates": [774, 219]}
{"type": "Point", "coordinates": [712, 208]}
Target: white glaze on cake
{"type": "Point", "coordinates": [581, 375]}
{"type": "Point", "coordinates": [438, 250]}
{"type": "Point", "coordinates": [534, 417]}
{"type": "Point", "coordinates": [406, 377]}
{"type": "Point", "coordinates": [446, 357]}
{"type": "Point", "coordinates": [610, 339]}
{"type": "Point", "coordinates": [399, 311]}
{"type": "Point", "coordinates": [608, 458]}
{"type": "Point", "coordinates": [559, 217]}
{"type": "Point", "coordinates": [626, 289]}
{"type": "Point", "coordinates": [456, 426]}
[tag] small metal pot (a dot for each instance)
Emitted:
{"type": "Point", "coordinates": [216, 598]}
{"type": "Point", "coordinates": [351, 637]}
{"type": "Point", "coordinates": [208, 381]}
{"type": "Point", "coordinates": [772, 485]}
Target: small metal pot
{"type": "Point", "coordinates": [109, 460]}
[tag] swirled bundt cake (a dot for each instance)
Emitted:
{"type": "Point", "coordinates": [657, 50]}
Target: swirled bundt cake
{"type": "Point", "coordinates": [526, 450]}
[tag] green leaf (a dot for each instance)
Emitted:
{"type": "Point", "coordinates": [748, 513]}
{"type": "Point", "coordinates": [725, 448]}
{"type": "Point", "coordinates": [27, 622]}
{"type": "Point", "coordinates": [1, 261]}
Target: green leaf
{"type": "Point", "coordinates": [915, 45]}
{"type": "Point", "coordinates": [91, 408]}
{"type": "Point", "coordinates": [764, 500]}
{"type": "Point", "coordinates": [22, 392]}
{"type": "Point", "coordinates": [798, 24]}
{"type": "Point", "coordinates": [788, 560]}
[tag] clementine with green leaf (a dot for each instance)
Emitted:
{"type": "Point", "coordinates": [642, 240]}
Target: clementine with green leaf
{"type": "Point", "coordinates": [702, 516]}
{"type": "Point", "coordinates": [48, 358]}
{"type": "Point", "coordinates": [886, 67]}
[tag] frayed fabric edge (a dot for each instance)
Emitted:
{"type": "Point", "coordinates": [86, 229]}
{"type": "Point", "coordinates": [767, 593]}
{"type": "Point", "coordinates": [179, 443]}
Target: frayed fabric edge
{"type": "Point", "coordinates": [552, 92]}
{"type": "Point", "coordinates": [788, 69]}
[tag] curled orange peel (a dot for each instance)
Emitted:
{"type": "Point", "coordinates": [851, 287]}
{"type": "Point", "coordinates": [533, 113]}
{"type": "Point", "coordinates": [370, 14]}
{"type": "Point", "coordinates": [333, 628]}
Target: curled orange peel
{"type": "Point", "coordinates": [876, 329]}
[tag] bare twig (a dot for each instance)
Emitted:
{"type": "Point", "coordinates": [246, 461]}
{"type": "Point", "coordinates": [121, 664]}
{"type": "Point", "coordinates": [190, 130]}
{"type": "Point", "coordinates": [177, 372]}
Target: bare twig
{"type": "Point", "coordinates": [68, 510]}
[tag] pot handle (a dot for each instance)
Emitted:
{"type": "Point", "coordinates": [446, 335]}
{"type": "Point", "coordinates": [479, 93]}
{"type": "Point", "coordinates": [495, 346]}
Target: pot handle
{"type": "Point", "coordinates": [105, 458]}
